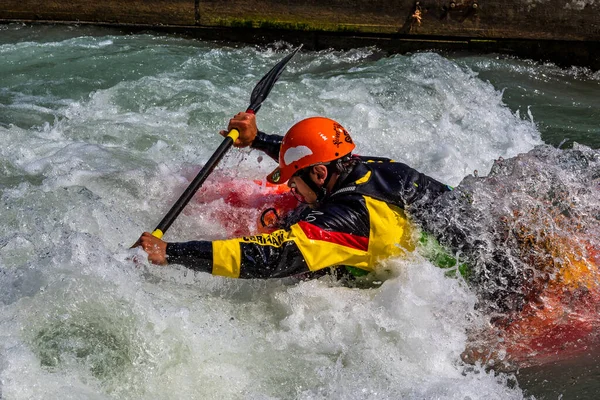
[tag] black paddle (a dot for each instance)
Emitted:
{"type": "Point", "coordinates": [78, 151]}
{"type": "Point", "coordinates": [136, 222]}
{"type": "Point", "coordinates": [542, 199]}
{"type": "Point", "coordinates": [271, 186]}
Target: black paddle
{"type": "Point", "coordinates": [259, 94]}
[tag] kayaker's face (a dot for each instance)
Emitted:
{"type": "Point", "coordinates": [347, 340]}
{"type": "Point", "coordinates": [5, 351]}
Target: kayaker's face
{"type": "Point", "coordinates": [301, 191]}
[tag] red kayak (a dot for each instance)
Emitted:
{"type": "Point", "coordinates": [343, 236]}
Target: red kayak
{"type": "Point", "coordinates": [244, 207]}
{"type": "Point", "coordinates": [562, 321]}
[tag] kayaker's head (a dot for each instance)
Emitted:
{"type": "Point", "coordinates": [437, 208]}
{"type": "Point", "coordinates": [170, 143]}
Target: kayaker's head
{"type": "Point", "coordinates": [310, 158]}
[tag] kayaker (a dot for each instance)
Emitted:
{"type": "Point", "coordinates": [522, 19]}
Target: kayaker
{"type": "Point", "coordinates": [355, 214]}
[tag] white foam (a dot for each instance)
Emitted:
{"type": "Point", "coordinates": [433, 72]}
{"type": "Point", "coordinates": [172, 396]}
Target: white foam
{"type": "Point", "coordinates": [110, 166]}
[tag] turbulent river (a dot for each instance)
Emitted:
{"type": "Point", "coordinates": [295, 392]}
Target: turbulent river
{"type": "Point", "coordinates": [100, 132]}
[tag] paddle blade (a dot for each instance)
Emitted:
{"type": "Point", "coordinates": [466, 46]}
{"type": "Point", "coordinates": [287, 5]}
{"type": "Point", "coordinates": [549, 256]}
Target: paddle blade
{"type": "Point", "coordinates": [263, 88]}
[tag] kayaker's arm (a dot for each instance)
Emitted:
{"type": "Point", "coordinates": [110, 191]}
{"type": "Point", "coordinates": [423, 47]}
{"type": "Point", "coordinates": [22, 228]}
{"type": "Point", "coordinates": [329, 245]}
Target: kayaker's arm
{"type": "Point", "coordinates": [269, 144]}
{"type": "Point", "coordinates": [419, 194]}
{"type": "Point", "coordinates": [261, 256]}
{"type": "Point", "coordinates": [422, 189]}
{"type": "Point", "coordinates": [245, 123]}
{"type": "Point", "coordinates": [196, 255]}
{"type": "Point", "coordinates": [336, 236]}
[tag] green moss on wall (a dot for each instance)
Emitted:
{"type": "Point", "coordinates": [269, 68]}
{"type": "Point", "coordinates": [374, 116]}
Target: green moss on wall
{"type": "Point", "coordinates": [287, 25]}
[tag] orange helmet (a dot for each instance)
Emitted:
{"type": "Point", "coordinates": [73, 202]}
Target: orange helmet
{"type": "Point", "coordinates": [310, 142]}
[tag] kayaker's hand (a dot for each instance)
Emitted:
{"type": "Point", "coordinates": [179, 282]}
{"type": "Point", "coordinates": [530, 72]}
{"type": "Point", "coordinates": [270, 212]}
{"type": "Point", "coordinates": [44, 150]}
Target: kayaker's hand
{"type": "Point", "coordinates": [245, 123]}
{"type": "Point", "coordinates": [155, 247]}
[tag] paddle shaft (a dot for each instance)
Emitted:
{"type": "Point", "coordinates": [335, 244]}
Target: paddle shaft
{"type": "Point", "coordinates": [187, 195]}
{"type": "Point", "coordinates": [260, 92]}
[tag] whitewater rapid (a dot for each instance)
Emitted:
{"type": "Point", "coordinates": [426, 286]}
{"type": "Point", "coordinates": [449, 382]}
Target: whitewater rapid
{"type": "Point", "coordinates": [98, 134]}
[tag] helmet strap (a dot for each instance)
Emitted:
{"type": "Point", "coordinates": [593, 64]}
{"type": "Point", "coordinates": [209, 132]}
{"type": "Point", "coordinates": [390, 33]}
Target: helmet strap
{"type": "Point", "coordinates": [321, 192]}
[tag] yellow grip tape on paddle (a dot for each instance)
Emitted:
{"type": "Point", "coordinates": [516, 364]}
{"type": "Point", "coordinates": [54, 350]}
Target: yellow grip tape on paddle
{"type": "Point", "coordinates": [158, 233]}
{"type": "Point", "coordinates": [234, 134]}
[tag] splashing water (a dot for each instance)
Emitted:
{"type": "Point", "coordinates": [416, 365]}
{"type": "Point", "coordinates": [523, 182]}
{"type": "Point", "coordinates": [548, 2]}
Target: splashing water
{"type": "Point", "coordinates": [98, 135]}
{"type": "Point", "coordinates": [529, 230]}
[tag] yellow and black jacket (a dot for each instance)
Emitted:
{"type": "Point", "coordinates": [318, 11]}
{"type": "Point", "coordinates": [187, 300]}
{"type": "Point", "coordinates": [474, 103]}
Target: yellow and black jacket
{"type": "Point", "coordinates": [361, 222]}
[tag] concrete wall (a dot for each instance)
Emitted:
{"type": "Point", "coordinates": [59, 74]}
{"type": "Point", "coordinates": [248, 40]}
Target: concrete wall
{"type": "Point", "coordinates": [533, 19]}
{"type": "Point", "coordinates": [541, 28]}
{"type": "Point", "coordinates": [150, 12]}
